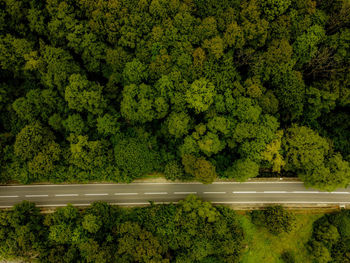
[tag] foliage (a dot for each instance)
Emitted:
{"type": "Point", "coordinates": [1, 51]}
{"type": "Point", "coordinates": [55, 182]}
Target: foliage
{"type": "Point", "coordinates": [189, 231]}
{"type": "Point", "coordinates": [276, 219]}
{"type": "Point", "coordinates": [231, 83]}
{"type": "Point", "coordinates": [135, 157]}
{"type": "Point", "coordinates": [309, 154]}
{"type": "Point", "coordinates": [330, 238]}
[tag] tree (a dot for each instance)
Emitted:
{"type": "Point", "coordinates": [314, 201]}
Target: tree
{"type": "Point", "coordinates": [173, 171]}
{"type": "Point", "coordinates": [304, 148]}
{"type": "Point", "coordinates": [274, 8]}
{"type": "Point", "coordinates": [200, 95]}
{"type": "Point", "coordinates": [137, 244]}
{"type": "Point", "coordinates": [82, 94]}
{"type": "Point", "coordinates": [242, 169]}
{"type": "Point", "coordinates": [108, 124]}
{"type": "Point", "coordinates": [31, 140]}
{"type": "Point", "coordinates": [141, 104]}
{"type": "Point", "coordinates": [305, 47]}
{"type": "Point", "coordinates": [91, 223]}
{"type": "Point", "coordinates": [272, 153]}
{"type": "Point", "coordinates": [178, 124]}
{"type": "Point", "coordinates": [62, 224]}
{"type": "Point", "coordinates": [200, 168]}
{"type": "Point", "coordinates": [320, 252]}
{"type": "Point", "coordinates": [56, 65]}
{"type": "Point", "coordinates": [233, 36]}
{"type": "Point", "coordinates": [135, 72]}
{"type": "Point", "coordinates": [215, 47]}
{"type": "Point", "coordinates": [308, 154]}
{"type": "Point", "coordinates": [75, 124]}
{"type": "Point", "coordinates": [21, 231]}
{"type": "Point", "coordinates": [13, 52]}
{"type": "Point", "coordinates": [333, 174]}
{"type": "Point", "coordinates": [35, 144]}
{"type": "Point", "coordinates": [87, 155]}
{"type": "Point", "coordinates": [135, 157]}
{"type": "Point", "coordinates": [38, 104]}
{"type": "Point", "coordinates": [276, 219]}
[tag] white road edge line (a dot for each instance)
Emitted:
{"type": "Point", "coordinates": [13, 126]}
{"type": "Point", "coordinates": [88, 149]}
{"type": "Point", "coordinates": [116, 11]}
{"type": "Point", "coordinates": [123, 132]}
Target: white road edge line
{"type": "Point", "coordinates": [95, 194]}
{"type": "Point", "coordinates": [184, 193]}
{"type": "Point", "coordinates": [218, 202]}
{"type": "Point", "coordinates": [8, 196]}
{"type": "Point", "coordinates": [156, 193]}
{"type": "Point", "coordinates": [126, 194]}
{"type": "Point", "coordinates": [58, 195]}
{"type": "Point", "coordinates": [305, 192]}
{"type": "Point", "coordinates": [278, 182]}
{"type": "Point", "coordinates": [214, 192]}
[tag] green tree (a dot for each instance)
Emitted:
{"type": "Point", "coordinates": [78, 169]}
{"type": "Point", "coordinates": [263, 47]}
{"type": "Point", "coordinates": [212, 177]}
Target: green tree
{"type": "Point", "coordinates": [305, 46]}
{"type": "Point", "coordinates": [87, 155]}
{"type": "Point", "coordinates": [274, 8]}
{"type": "Point", "coordinates": [201, 169]}
{"type": "Point", "coordinates": [276, 219]}
{"type": "Point", "coordinates": [135, 72]}
{"type": "Point", "coordinates": [81, 94]}
{"type": "Point", "coordinates": [31, 140]}
{"type": "Point", "coordinates": [75, 124]}
{"type": "Point", "coordinates": [91, 223]}
{"type": "Point", "coordinates": [55, 66]}
{"type": "Point", "coordinates": [21, 231]}
{"type": "Point", "coordinates": [137, 244]}
{"type": "Point", "coordinates": [173, 171]}
{"type": "Point", "coordinates": [38, 104]}
{"type": "Point", "coordinates": [108, 124]}
{"type": "Point", "coordinates": [135, 157]}
{"type": "Point", "coordinates": [200, 95]}
{"type": "Point", "coordinates": [242, 169]}
{"type": "Point", "coordinates": [141, 104]}
{"type": "Point", "coordinates": [304, 149]}
{"type": "Point", "coordinates": [178, 124]}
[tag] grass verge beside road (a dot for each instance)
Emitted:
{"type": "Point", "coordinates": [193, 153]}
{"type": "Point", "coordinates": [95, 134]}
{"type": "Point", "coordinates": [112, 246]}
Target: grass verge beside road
{"type": "Point", "coordinates": [263, 246]}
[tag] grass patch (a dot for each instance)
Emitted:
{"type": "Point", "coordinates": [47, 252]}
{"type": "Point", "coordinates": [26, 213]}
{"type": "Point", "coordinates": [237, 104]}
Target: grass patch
{"type": "Point", "coordinates": [265, 247]}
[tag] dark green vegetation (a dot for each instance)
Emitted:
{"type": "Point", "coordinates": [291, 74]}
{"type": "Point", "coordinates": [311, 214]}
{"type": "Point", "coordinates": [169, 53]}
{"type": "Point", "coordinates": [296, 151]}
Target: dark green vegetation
{"type": "Point", "coordinates": [275, 219]}
{"type": "Point", "coordinates": [330, 240]}
{"type": "Point", "coordinates": [191, 231]}
{"type": "Point", "coordinates": [196, 89]}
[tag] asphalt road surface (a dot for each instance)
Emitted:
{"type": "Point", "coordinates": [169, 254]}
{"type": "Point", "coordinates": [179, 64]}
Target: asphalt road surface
{"type": "Point", "coordinates": [142, 193]}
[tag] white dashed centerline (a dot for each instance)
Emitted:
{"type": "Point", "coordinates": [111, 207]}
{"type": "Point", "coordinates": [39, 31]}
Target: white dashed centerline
{"type": "Point", "coordinates": [275, 192]}
{"type": "Point", "coordinates": [126, 194]}
{"type": "Point", "coordinates": [184, 193]}
{"type": "Point", "coordinates": [95, 194]}
{"type": "Point", "coordinates": [156, 193]}
{"type": "Point", "coordinates": [8, 196]}
{"type": "Point", "coordinates": [59, 195]}
{"type": "Point", "coordinates": [36, 195]}
{"type": "Point", "coordinates": [244, 192]}
{"type": "Point", "coordinates": [214, 192]}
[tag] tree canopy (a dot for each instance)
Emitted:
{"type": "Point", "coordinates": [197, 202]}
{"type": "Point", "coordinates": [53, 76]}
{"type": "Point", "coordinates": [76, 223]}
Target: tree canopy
{"type": "Point", "coordinates": [113, 90]}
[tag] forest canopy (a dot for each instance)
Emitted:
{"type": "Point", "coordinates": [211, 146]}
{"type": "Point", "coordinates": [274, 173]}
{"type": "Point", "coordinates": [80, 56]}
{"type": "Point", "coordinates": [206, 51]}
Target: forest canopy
{"type": "Point", "coordinates": [190, 231]}
{"type": "Point", "coordinates": [195, 89]}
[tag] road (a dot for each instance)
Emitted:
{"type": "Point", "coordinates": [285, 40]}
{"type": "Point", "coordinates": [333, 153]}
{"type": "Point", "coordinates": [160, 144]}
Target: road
{"type": "Point", "coordinates": [141, 193]}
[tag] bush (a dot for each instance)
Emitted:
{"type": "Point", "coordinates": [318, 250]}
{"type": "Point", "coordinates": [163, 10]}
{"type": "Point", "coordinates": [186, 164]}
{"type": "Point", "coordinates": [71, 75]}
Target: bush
{"type": "Point", "coordinates": [276, 219]}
